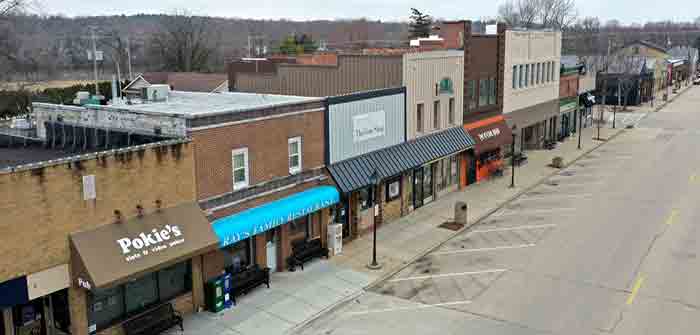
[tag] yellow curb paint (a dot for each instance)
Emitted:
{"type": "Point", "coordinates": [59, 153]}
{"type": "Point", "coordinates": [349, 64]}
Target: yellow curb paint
{"type": "Point", "coordinates": [635, 289]}
{"type": "Point", "coordinates": [671, 218]}
{"type": "Point", "coordinates": [694, 178]}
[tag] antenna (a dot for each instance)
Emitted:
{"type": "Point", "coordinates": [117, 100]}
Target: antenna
{"type": "Point", "coordinates": [94, 58]}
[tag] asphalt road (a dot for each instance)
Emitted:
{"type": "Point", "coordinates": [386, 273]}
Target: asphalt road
{"type": "Point", "coordinates": [608, 246]}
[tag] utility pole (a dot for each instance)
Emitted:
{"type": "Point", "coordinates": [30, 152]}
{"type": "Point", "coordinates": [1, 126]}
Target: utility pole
{"type": "Point", "coordinates": [94, 59]}
{"type": "Point", "coordinates": [128, 56]}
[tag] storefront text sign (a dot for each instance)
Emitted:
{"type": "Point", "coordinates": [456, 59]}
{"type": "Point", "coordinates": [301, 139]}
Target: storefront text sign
{"type": "Point", "coordinates": [150, 242]}
{"type": "Point", "coordinates": [276, 221]}
{"type": "Point", "coordinates": [489, 134]}
{"type": "Point", "coordinates": [368, 126]}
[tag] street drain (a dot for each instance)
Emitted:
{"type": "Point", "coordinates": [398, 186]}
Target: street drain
{"type": "Point", "coordinates": [451, 225]}
{"type": "Point", "coordinates": [552, 183]}
{"type": "Point", "coordinates": [567, 173]}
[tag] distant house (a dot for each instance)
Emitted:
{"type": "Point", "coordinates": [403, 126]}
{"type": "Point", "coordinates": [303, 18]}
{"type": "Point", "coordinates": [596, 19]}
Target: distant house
{"type": "Point", "coordinates": [180, 81]}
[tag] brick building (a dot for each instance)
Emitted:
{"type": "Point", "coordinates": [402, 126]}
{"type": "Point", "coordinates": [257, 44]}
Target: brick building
{"type": "Point", "coordinates": [259, 166]}
{"type": "Point", "coordinates": [531, 86]}
{"type": "Point", "coordinates": [62, 270]}
{"type": "Point", "coordinates": [483, 89]}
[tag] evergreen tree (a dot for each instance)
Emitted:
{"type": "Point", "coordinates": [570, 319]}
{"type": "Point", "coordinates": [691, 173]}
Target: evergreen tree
{"type": "Point", "coordinates": [420, 25]}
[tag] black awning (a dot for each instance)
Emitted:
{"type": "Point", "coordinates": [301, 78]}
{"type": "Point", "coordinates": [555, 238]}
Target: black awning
{"type": "Point", "coordinates": [354, 173]}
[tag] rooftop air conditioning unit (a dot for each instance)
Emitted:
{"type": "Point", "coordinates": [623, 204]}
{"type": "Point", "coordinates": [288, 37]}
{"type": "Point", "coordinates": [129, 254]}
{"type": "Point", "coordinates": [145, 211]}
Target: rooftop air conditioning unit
{"type": "Point", "coordinates": [155, 93]}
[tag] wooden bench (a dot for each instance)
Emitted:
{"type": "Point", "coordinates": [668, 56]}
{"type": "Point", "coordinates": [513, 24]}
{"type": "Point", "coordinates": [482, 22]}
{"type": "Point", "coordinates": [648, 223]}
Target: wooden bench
{"type": "Point", "coordinates": [304, 251]}
{"type": "Point", "coordinates": [550, 144]}
{"type": "Point", "coordinates": [248, 279]}
{"type": "Point", "coordinates": [154, 321]}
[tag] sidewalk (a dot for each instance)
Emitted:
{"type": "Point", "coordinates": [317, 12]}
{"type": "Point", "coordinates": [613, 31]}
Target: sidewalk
{"type": "Point", "coordinates": [296, 298]}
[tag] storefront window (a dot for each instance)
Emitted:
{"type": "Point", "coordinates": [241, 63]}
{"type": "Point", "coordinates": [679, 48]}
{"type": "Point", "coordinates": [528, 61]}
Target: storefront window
{"type": "Point", "coordinates": [173, 281]}
{"type": "Point", "coordinates": [454, 170]}
{"type": "Point", "coordinates": [393, 189]}
{"type": "Point", "coordinates": [109, 306]}
{"type": "Point", "coordinates": [427, 181]}
{"type": "Point", "coordinates": [239, 255]}
{"type": "Point", "coordinates": [299, 226]}
{"type": "Point", "coordinates": [365, 198]}
{"type": "Point", "coordinates": [141, 293]}
{"type": "Point", "coordinates": [106, 305]}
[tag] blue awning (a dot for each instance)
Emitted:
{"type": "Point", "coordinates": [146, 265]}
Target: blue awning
{"type": "Point", "coordinates": [240, 226]}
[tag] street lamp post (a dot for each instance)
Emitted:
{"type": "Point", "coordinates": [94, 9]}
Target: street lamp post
{"type": "Point", "coordinates": [580, 126]}
{"type": "Point", "coordinates": [512, 158]}
{"type": "Point", "coordinates": [374, 181]}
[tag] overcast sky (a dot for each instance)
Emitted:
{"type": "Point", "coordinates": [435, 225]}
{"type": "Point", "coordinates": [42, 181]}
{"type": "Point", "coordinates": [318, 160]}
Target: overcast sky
{"type": "Point", "coordinates": [627, 11]}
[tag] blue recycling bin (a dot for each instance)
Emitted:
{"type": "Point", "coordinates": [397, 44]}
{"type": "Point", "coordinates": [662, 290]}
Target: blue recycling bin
{"type": "Point", "coordinates": [228, 302]}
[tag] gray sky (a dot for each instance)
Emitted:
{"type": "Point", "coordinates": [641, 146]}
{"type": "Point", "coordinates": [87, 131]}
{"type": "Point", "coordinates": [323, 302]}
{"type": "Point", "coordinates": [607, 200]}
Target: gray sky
{"type": "Point", "coordinates": [627, 11]}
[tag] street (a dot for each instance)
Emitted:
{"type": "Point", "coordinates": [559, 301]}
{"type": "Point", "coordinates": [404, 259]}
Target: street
{"type": "Point", "coordinates": [607, 246]}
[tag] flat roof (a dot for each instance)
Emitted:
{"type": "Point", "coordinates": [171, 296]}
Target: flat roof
{"type": "Point", "coordinates": [21, 155]}
{"type": "Point", "coordinates": [197, 104]}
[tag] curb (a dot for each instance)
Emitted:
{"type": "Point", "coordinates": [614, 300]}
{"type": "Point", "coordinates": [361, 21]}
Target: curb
{"type": "Point", "coordinates": [478, 221]}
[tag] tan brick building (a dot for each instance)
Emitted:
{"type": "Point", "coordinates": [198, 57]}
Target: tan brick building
{"type": "Point", "coordinates": [46, 204]}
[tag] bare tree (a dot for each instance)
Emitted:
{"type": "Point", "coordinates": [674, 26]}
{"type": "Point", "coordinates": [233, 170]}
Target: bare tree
{"type": "Point", "coordinates": [558, 14]}
{"type": "Point", "coordinates": [184, 43]}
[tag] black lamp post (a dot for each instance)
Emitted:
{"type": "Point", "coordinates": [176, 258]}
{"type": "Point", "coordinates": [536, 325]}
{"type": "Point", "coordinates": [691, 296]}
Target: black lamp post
{"type": "Point", "coordinates": [374, 181]}
{"type": "Point", "coordinates": [512, 158]}
{"type": "Point", "coordinates": [580, 125]}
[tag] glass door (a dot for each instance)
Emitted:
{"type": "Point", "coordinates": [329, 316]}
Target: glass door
{"type": "Point", "coordinates": [271, 249]}
{"type": "Point", "coordinates": [417, 188]}
{"type": "Point", "coordinates": [427, 183]}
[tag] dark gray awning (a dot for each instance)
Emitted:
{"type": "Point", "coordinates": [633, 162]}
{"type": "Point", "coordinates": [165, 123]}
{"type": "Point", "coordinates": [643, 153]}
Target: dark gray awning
{"type": "Point", "coordinates": [354, 173]}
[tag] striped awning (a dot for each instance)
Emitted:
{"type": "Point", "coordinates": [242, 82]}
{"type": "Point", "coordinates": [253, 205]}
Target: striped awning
{"type": "Point", "coordinates": [354, 173]}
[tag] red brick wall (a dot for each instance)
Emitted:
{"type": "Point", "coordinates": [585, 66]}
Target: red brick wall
{"type": "Point", "coordinates": [450, 33]}
{"type": "Point", "coordinates": [568, 86]}
{"type": "Point", "coordinates": [267, 150]}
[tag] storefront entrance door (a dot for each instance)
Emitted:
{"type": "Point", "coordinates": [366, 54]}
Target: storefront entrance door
{"type": "Point", "coordinates": [271, 248]}
{"type": "Point", "coordinates": [471, 171]}
{"type": "Point", "coordinates": [417, 188]}
{"type": "Point", "coordinates": [427, 184]}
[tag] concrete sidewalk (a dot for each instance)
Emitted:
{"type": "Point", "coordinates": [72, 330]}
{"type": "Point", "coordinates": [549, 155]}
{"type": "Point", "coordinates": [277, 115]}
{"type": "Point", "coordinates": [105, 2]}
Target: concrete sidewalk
{"type": "Point", "coordinates": [296, 298]}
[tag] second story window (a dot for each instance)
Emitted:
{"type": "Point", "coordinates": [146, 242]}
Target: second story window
{"type": "Point", "coordinates": [537, 79]}
{"type": "Point", "coordinates": [419, 118]}
{"type": "Point", "coordinates": [483, 92]}
{"type": "Point", "coordinates": [527, 74]}
{"type": "Point", "coordinates": [451, 111]}
{"type": "Point", "coordinates": [520, 76]}
{"type": "Point", "coordinates": [471, 95]}
{"type": "Point", "coordinates": [239, 162]}
{"type": "Point", "coordinates": [436, 114]}
{"type": "Point", "coordinates": [554, 71]}
{"type": "Point", "coordinates": [515, 76]}
{"type": "Point", "coordinates": [547, 71]}
{"type": "Point", "coordinates": [294, 145]}
{"type": "Point", "coordinates": [492, 91]}
{"type": "Point", "coordinates": [532, 74]}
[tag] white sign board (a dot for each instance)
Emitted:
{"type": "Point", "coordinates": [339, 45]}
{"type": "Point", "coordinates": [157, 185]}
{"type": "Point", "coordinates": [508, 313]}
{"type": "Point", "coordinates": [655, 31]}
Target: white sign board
{"type": "Point", "coordinates": [89, 191]}
{"type": "Point", "coordinates": [368, 126]}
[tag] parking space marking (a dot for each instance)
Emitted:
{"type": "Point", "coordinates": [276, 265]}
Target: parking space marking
{"type": "Point", "coordinates": [556, 196]}
{"type": "Point", "coordinates": [635, 290]}
{"type": "Point", "coordinates": [460, 251]}
{"type": "Point", "coordinates": [510, 212]}
{"type": "Point", "coordinates": [452, 303]}
{"type": "Point", "coordinates": [548, 225]}
{"type": "Point", "coordinates": [457, 274]}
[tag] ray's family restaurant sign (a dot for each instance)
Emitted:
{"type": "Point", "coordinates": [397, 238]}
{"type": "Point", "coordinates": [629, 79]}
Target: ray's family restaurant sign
{"type": "Point", "coordinates": [251, 222]}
